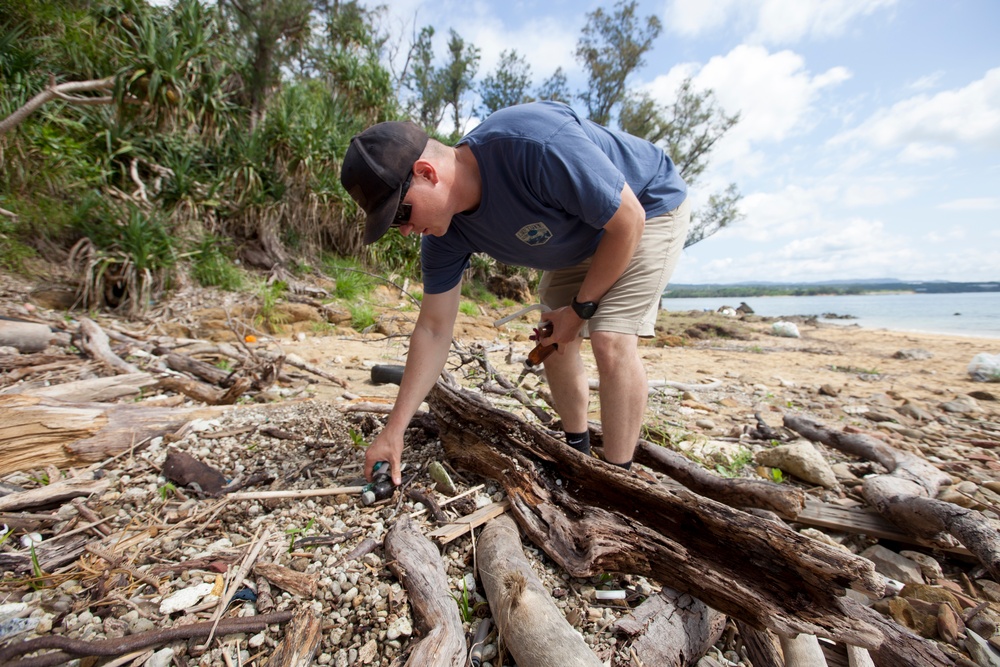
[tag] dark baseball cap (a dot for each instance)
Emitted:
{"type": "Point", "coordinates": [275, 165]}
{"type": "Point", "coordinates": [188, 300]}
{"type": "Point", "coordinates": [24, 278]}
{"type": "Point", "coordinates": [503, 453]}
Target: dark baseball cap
{"type": "Point", "coordinates": [375, 167]}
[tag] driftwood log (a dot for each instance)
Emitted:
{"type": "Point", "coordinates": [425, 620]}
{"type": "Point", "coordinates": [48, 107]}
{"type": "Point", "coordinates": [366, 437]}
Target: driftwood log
{"type": "Point", "coordinates": [95, 342]}
{"type": "Point", "coordinates": [417, 563]}
{"type": "Point", "coordinates": [785, 501]}
{"type": "Point", "coordinates": [27, 337]}
{"type": "Point", "coordinates": [301, 641]}
{"type": "Point", "coordinates": [532, 627]}
{"type": "Point", "coordinates": [672, 629]}
{"type": "Point", "coordinates": [36, 431]}
{"type": "Point", "coordinates": [98, 390]}
{"type": "Point", "coordinates": [592, 518]}
{"type": "Point", "coordinates": [906, 496]}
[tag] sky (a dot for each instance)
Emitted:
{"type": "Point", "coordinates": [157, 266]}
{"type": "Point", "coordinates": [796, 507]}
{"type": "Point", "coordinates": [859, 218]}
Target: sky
{"type": "Point", "coordinates": [869, 139]}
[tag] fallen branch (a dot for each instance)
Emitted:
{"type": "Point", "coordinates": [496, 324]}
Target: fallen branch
{"type": "Point", "coordinates": [60, 91]}
{"type": "Point", "coordinates": [906, 495]}
{"type": "Point", "coordinates": [417, 563]}
{"type": "Point", "coordinates": [71, 649]}
{"type": "Point", "coordinates": [91, 339]}
{"type": "Point", "coordinates": [532, 627]}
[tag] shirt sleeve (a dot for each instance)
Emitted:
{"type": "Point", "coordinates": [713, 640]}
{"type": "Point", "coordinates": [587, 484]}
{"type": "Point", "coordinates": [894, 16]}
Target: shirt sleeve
{"type": "Point", "coordinates": [442, 267]}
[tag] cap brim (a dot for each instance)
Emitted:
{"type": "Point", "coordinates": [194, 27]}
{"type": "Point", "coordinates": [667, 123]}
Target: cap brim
{"type": "Point", "coordinates": [380, 219]}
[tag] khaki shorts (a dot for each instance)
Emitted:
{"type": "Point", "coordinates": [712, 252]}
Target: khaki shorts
{"type": "Point", "coordinates": [631, 305]}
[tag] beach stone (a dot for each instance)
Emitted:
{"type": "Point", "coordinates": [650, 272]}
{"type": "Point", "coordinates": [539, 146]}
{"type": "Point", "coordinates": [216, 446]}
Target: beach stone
{"type": "Point", "coordinates": [893, 565]}
{"type": "Point", "coordinates": [161, 658]}
{"type": "Point", "coordinates": [185, 598]}
{"type": "Point", "coordinates": [843, 472]}
{"type": "Point", "coordinates": [828, 390]}
{"type": "Point", "coordinates": [990, 588]}
{"type": "Point", "coordinates": [929, 567]}
{"type": "Point", "coordinates": [982, 395]}
{"type": "Point", "coordinates": [800, 459]}
{"type": "Point", "coordinates": [915, 411]}
{"type": "Point", "coordinates": [705, 424]}
{"type": "Point", "coordinates": [962, 405]}
{"type": "Point", "coordinates": [913, 354]}
{"type": "Point", "coordinates": [443, 481]}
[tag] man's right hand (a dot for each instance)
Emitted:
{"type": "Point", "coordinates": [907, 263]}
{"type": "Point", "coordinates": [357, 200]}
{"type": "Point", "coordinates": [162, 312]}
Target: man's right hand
{"type": "Point", "coordinates": [386, 447]}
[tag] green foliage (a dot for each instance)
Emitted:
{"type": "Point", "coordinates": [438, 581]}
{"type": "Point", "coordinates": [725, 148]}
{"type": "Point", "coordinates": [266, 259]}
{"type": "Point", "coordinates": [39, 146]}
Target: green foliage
{"type": "Point", "coordinates": [352, 282]}
{"type": "Point", "coordinates": [362, 316]}
{"type": "Point", "coordinates": [611, 48]}
{"type": "Point", "coordinates": [734, 466]}
{"type": "Point", "coordinates": [468, 308]}
{"type": "Point", "coordinates": [212, 266]}
{"type": "Point", "coordinates": [507, 85]}
{"type": "Point", "coordinates": [357, 439]}
{"type": "Point", "coordinates": [296, 533]}
{"type": "Point", "coordinates": [466, 608]}
{"type": "Point", "coordinates": [13, 251]}
{"type": "Point", "coordinates": [269, 295]}
{"type": "Point", "coordinates": [166, 490]}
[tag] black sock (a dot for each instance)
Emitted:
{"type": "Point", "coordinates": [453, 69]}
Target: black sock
{"type": "Point", "coordinates": [627, 465]}
{"type": "Point", "coordinates": [579, 441]}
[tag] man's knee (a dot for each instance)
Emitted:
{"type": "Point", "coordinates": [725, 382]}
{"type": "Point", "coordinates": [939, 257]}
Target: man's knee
{"type": "Point", "coordinates": [613, 348]}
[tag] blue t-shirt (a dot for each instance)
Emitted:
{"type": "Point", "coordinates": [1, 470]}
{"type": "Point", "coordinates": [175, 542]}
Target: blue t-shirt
{"type": "Point", "coordinates": [550, 182]}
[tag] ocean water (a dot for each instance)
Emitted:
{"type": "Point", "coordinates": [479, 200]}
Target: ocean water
{"type": "Point", "coordinates": [967, 314]}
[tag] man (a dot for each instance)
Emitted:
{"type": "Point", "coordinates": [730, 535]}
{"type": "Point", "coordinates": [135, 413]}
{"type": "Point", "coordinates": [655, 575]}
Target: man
{"type": "Point", "coordinates": [602, 213]}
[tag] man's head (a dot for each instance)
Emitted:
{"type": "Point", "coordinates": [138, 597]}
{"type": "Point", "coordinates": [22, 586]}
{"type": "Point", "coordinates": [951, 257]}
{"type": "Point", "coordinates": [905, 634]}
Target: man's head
{"type": "Point", "coordinates": [376, 167]}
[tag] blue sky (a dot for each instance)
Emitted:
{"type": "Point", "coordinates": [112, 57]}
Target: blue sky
{"type": "Point", "coordinates": [869, 145]}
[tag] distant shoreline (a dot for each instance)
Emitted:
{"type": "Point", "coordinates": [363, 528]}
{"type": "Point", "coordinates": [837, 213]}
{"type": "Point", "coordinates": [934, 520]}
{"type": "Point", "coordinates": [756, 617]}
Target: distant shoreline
{"type": "Point", "coordinates": [682, 291]}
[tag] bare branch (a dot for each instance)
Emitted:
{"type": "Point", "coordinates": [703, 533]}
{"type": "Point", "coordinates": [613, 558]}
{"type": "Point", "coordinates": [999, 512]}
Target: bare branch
{"type": "Point", "coordinates": [58, 91]}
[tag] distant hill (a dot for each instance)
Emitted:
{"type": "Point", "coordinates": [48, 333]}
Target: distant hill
{"type": "Point", "coordinates": [834, 287]}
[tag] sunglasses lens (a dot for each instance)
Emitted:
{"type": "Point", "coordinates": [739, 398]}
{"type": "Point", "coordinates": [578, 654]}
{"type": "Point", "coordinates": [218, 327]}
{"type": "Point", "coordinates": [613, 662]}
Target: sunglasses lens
{"type": "Point", "coordinates": [402, 215]}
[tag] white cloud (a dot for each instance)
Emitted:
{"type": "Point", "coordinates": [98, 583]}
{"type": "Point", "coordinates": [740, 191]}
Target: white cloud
{"type": "Point", "coordinates": [972, 204]}
{"type": "Point", "coordinates": [923, 124]}
{"type": "Point", "coordinates": [771, 21]}
{"type": "Point", "coordinates": [774, 93]}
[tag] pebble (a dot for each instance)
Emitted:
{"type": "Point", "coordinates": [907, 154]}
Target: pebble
{"type": "Point", "coordinates": [185, 598]}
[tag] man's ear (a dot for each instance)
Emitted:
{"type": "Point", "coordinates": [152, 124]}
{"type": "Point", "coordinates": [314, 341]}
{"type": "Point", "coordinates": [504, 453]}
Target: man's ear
{"type": "Point", "coordinates": [425, 169]}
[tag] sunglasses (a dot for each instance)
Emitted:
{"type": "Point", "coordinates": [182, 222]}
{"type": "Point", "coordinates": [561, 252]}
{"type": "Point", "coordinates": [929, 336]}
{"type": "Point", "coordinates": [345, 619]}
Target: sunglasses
{"type": "Point", "coordinates": [403, 212]}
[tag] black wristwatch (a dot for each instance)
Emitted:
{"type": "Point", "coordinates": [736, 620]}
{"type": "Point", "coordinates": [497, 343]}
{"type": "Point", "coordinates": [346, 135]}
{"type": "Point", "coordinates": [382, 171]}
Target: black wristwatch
{"type": "Point", "coordinates": [584, 310]}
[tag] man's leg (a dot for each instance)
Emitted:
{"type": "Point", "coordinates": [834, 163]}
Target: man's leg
{"type": "Point", "coordinates": [623, 392]}
{"type": "Point", "coordinates": [568, 381]}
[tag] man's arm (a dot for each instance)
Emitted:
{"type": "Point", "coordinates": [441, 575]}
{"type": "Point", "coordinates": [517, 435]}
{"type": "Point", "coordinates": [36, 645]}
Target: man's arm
{"type": "Point", "coordinates": [621, 237]}
{"type": "Point", "coordinates": [425, 359]}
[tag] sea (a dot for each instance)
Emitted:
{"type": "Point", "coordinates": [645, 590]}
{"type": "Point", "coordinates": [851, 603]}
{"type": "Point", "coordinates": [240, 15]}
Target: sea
{"type": "Point", "coordinates": [974, 314]}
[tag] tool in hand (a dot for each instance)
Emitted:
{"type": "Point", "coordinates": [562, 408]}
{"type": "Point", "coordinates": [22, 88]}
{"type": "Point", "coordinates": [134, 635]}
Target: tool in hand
{"type": "Point", "coordinates": [381, 486]}
{"type": "Point", "coordinates": [540, 352]}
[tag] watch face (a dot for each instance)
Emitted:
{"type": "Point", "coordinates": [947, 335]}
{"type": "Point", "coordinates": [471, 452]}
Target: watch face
{"type": "Point", "coordinates": [585, 310]}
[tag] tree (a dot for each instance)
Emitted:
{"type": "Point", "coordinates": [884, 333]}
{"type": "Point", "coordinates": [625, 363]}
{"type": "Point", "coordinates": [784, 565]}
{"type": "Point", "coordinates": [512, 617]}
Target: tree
{"type": "Point", "coordinates": [555, 88]}
{"type": "Point", "coordinates": [507, 85]}
{"type": "Point", "coordinates": [457, 75]}
{"type": "Point", "coordinates": [687, 130]}
{"type": "Point", "coordinates": [611, 48]}
{"type": "Point", "coordinates": [428, 106]}
{"type": "Point", "coordinates": [271, 33]}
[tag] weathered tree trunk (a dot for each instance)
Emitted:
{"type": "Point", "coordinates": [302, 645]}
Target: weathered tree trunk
{"type": "Point", "coordinates": [761, 646]}
{"type": "Point", "coordinates": [97, 390]}
{"type": "Point", "coordinates": [672, 629]}
{"type": "Point", "coordinates": [416, 562]}
{"type": "Point", "coordinates": [533, 629]}
{"type": "Point", "coordinates": [802, 651]}
{"type": "Point", "coordinates": [591, 518]}
{"type": "Point", "coordinates": [36, 431]}
{"type": "Point", "coordinates": [906, 495]}
{"type": "Point", "coordinates": [27, 337]}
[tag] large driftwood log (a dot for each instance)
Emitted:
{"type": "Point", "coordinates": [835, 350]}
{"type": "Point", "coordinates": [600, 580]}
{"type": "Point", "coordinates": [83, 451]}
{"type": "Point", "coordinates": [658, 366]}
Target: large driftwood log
{"type": "Point", "coordinates": [27, 337]}
{"type": "Point", "coordinates": [591, 518]}
{"type": "Point", "coordinates": [672, 629]}
{"type": "Point", "coordinates": [36, 431]}
{"type": "Point", "coordinates": [906, 495]}
{"type": "Point", "coordinates": [416, 562]}
{"type": "Point", "coordinates": [97, 390]}
{"type": "Point", "coordinates": [533, 629]}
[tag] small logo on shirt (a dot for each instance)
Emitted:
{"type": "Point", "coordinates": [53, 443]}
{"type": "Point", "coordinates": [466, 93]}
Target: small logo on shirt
{"type": "Point", "coordinates": [535, 234]}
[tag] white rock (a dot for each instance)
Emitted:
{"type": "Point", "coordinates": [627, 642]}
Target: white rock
{"type": "Point", "coordinates": [161, 658]}
{"type": "Point", "coordinates": [401, 627]}
{"type": "Point", "coordinates": [185, 598]}
{"type": "Point", "coordinates": [800, 459]}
